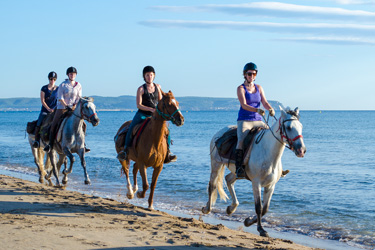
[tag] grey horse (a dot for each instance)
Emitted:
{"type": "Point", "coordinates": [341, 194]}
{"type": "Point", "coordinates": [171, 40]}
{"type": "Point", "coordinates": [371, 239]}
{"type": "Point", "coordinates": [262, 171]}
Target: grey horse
{"type": "Point", "coordinates": [71, 139]}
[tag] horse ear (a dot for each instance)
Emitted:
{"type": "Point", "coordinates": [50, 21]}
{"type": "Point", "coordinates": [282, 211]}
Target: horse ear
{"type": "Point", "coordinates": [297, 111]}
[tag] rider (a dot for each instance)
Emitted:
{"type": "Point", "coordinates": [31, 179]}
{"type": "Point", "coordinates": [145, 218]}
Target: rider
{"type": "Point", "coordinates": [148, 96]}
{"type": "Point", "coordinates": [68, 96]}
{"type": "Point", "coordinates": [250, 95]}
{"type": "Point", "coordinates": [48, 95]}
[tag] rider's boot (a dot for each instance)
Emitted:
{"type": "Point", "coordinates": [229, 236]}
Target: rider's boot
{"type": "Point", "coordinates": [284, 172]}
{"type": "Point", "coordinates": [240, 170]}
{"type": "Point", "coordinates": [170, 157]}
{"type": "Point", "coordinates": [37, 137]}
{"type": "Point", "coordinates": [123, 155]}
{"type": "Point", "coordinates": [52, 136]}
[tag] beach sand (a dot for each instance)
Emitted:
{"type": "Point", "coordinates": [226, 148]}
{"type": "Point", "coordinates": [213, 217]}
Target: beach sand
{"type": "Point", "coordinates": [36, 216]}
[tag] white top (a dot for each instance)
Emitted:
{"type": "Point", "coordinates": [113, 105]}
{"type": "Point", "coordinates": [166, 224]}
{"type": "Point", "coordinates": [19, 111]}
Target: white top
{"type": "Point", "coordinates": [69, 93]}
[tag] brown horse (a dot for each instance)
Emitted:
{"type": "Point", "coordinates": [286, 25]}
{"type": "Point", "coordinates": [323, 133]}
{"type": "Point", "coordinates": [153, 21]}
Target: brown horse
{"type": "Point", "coordinates": [151, 147]}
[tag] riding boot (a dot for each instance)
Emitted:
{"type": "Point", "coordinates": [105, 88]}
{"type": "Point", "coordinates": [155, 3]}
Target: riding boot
{"type": "Point", "coordinates": [170, 157]}
{"type": "Point", "coordinates": [123, 155]}
{"type": "Point", "coordinates": [52, 136]}
{"type": "Point", "coordinates": [37, 137]}
{"type": "Point", "coordinates": [240, 170]}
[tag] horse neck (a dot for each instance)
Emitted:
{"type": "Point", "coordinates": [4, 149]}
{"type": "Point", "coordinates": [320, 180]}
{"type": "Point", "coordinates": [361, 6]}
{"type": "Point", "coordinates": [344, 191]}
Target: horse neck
{"type": "Point", "coordinates": [76, 118]}
{"type": "Point", "coordinates": [274, 147]}
{"type": "Point", "coordinates": [157, 125]}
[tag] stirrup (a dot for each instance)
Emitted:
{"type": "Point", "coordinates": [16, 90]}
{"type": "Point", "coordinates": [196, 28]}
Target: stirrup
{"type": "Point", "coordinates": [122, 156]}
{"type": "Point", "coordinates": [36, 144]}
{"type": "Point", "coordinates": [240, 173]}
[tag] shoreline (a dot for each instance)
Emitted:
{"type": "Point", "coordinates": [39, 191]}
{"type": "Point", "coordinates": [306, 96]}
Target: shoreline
{"type": "Point", "coordinates": [32, 212]}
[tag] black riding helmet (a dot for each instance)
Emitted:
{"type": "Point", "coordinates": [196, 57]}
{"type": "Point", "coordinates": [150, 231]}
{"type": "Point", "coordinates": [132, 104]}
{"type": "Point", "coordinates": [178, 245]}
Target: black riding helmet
{"type": "Point", "coordinates": [71, 70]}
{"type": "Point", "coordinates": [148, 69]}
{"type": "Point", "coordinates": [250, 66]}
{"type": "Point", "coordinates": [52, 74]}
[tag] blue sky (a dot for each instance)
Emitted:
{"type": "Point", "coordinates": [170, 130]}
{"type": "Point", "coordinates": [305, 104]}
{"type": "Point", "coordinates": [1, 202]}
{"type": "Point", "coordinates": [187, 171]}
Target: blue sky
{"type": "Point", "coordinates": [317, 55]}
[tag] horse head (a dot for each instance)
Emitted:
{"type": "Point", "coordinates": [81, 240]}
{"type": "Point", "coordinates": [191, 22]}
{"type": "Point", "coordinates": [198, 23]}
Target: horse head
{"type": "Point", "coordinates": [169, 110]}
{"type": "Point", "coordinates": [88, 110]}
{"type": "Point", "coordinates": [291, 131]}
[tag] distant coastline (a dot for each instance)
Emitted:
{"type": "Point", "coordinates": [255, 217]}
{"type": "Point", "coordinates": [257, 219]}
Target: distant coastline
{"type": "Point", "coordinates": [127, 103]}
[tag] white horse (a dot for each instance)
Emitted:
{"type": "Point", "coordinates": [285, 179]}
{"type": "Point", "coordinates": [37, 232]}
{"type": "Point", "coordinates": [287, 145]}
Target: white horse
{"type": "Point", "coordinates": [263, 168]}
{"type": "Point", "coordinates": [73, 139]}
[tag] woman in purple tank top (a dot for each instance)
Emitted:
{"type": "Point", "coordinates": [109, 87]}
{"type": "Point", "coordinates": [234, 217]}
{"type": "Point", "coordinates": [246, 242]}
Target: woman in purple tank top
{"type": "Point", "coordinates": [250, 95]}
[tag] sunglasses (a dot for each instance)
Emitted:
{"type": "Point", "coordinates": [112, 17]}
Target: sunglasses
{"type": "Point", "coordinates": [251, 73]}
{"type": "Point", "coordinates": [52, 79]}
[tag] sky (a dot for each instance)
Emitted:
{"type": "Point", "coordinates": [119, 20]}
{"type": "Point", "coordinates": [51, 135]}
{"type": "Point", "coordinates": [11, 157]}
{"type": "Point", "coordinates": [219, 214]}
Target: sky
{"type": "Point", "coordinates": [315, 55]}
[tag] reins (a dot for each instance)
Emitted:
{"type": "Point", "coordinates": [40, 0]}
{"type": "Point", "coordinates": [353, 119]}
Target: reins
{"type": "Point", "coordinates": [82, 116]}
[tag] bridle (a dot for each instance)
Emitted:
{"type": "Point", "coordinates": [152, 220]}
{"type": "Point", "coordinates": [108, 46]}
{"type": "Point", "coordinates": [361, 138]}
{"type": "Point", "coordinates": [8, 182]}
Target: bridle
{"type": "Point", "coordinates": [167, 116]}
{"type": "Point", "coordinates": [283, 133]}
{"type": "Point", "coordinates": [83, 116]}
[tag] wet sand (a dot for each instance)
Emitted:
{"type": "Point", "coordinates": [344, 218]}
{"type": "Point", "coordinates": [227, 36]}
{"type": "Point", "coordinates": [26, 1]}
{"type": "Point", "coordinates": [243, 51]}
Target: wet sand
{"type": "Point", "coordinates": [36, 216]}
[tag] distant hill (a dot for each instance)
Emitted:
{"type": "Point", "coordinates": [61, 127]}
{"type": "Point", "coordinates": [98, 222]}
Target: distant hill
{"type": "Point", "coordinates": [128, 103]}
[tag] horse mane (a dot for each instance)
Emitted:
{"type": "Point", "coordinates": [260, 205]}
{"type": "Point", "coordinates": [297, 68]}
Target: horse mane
{"type": "Point", "coordinates": [292, 112]}
{"type": "Point", "coordinates": [87, 99]}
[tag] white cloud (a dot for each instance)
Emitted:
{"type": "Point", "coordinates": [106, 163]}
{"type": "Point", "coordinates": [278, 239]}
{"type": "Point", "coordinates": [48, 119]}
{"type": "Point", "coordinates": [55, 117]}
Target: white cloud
{"type": "Point", "coordinates": [281, 10]}
{"type": "Point", "coordinates": [331, 40]}
{"type": "Point", "coordinates": [355, 30]}
{"type": "Point", "coordinates": [359, 2]}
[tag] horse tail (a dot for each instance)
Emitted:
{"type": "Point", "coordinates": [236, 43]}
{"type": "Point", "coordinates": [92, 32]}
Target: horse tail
{"type": "Point", "coordinates": [220, 181]}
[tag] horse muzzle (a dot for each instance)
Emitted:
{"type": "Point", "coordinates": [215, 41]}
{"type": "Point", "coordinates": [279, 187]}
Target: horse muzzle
{"type": "Point", "coordinates": [95, 121]}
{"type": "Point", "coordinates": [179, 121]}
{"type": "Point", "coordinates": [299, 150]}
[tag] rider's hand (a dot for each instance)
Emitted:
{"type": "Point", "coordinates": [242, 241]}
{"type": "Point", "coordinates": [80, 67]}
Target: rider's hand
{"type": "Point", "coordinates": [261, 112]}
{"type": "Point", "coordinates": [272, 112]}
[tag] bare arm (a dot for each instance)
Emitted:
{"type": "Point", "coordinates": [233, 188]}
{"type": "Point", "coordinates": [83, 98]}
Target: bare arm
{"type": "Point", "coordinates": [42, 95]}
{"type": "Point", "coordinates": [264, 101]}
{"type": "Point", "coordinates": [139, 101]}
{"type": "Point", "coordinates": [160, 91]}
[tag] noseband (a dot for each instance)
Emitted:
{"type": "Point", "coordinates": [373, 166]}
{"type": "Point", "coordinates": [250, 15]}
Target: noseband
{"type": "Point", "coordinates": [167, 116]}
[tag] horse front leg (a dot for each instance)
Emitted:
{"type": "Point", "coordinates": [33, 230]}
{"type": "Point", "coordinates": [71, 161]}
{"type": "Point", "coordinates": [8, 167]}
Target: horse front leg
{"type": "Point", "coordinates": [258, 209]}
{"type": "Point", "coordinates": [125, 168]}
{"type": "Point", "coordinates": [135, 172]}
{"type": "Point", "coordinates": [231, 179]}
{"type": "Point", "coordinates": [38, 154]}
{"type": "Point", "coordinates": [81, 153]}
{"type": "Point", "coordinates": [145, 186]}
{"type": "Point", "coordinates": [52, 157]}
{"type": "Point", "coordinates": [155, 176]}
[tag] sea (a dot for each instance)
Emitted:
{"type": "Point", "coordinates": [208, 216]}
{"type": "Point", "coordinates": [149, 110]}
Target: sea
{"type": "Point", "coordinates": [327, 200]}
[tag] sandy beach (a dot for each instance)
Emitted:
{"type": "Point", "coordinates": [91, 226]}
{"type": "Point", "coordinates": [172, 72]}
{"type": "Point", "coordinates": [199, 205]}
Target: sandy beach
{"type": "Point", "coordinates": [35, 216]}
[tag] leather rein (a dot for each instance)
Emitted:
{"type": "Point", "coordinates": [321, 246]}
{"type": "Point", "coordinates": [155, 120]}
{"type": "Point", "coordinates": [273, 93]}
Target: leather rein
{"type": "Point", "coordinates": [167, 116]}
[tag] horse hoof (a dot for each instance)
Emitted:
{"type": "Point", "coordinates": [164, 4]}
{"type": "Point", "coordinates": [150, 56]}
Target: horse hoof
{"type": "Point", "coordinates": [88, 182]}
{"type": "Point", "coordinates": [205, 210]}
{"type": "Point", "coordinates": [139, 195]}
{"type": "Point", "coordinates": [263, 233]}
{"type": "Point", "coordinates": [41, 180]}
{"type": "Point", "coordinates": [130, 196]}
{"type": "Point", "coordinates": [230, 211]}
{"type": "Point", "coordinates": [65, 182]}
{"type": "Point", "coordinates": [248, 222]}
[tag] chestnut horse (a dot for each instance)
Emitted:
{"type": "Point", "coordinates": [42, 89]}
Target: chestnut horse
{"type": "Point", "coordinates": [151, 147]}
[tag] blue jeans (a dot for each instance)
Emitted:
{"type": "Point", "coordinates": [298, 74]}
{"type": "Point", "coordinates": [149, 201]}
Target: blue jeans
{"type": "Point", "coordinates": [41, 117]}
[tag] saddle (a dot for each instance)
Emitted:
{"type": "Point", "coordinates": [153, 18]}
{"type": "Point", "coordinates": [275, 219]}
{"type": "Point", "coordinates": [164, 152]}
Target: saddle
{"type": "Point", "coordinates": [124, 129]}
{"type": "Point", "coordinates": [226, 144]}
{"type": "Point", "coordinates": [47, 122]}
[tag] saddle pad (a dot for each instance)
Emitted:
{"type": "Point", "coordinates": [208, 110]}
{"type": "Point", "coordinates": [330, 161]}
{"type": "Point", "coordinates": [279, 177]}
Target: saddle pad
{"type": "Point", "coordinates": [137, 131]}
{"type": "Point", "coordinates": [226, 144]}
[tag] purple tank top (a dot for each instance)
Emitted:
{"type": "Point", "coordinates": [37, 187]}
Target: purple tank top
{"type": "Point", "coordinates": [254, 101]}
